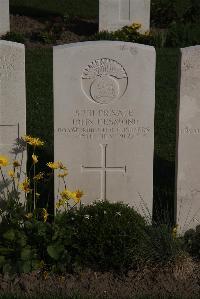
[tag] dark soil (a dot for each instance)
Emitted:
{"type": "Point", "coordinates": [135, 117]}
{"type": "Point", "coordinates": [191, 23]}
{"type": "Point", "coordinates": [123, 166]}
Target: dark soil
{"type": "Point", "coordinates": [43, 32]}
{"type": "Point", "coordinates": [181, 279]}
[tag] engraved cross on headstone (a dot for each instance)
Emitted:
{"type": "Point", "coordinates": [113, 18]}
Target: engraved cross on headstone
{"type": "Point", "coordinates": [103, 169]}
{"type": "Point", "coordinates": [124, 10]}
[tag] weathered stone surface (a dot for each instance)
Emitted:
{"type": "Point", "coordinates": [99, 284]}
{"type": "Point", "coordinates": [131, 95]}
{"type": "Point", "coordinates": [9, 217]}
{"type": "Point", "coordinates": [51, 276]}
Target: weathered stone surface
{"type": "Point", "coordinates": [12, 98]}
{"type": "Point", "coordinates": [104, 120]}
{"type": "Point", "coordinates": [188, 145]}
{"type": "Point", "coordinates": [4, 17]}
{"type": "Point", "coordinates": [114, 14]}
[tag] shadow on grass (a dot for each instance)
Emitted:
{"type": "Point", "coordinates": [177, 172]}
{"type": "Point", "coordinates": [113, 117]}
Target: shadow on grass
{"type": "Point", "coordinates": [164, 185]}
{"type": "Point", "coordinates": [83, 27]}
{"type": "Point", "coordinates": [32, 11]}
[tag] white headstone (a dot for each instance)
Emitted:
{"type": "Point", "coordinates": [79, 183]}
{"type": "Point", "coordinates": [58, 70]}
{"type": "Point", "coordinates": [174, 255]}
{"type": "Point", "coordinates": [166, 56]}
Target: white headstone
{"type": "Point", "coordinates": [4, 17]}
{"type": "Point", "coordinates": [12, 98]}
{"type": "Point", "coordinates": [188, 145]}
{"type": "Point", "coordinates": [115, 14]}
{"type": "Point", "coordinates": [104, 120]}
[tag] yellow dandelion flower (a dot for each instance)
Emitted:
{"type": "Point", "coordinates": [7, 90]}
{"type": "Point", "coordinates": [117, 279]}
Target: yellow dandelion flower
{"type": "Point", "coordinates": [3, 161]}
{"type": "Point", "coordinates": [39, 176]}
{"type": "Point", "coordinates": [147, 33]}
{"type": "Point", "coordinates": [35, 159]}
{"type": "Point", "coordinates": [76, 196]}
{"type": "Point", "coordinates": [44, 214]}
{"type": "Point", "coordinates": [11, 173]}
{"type": "Point", "coordinates": [175, 231]}
{"type": "Point", "coordinates": [66, 194]}
{"type": "Point", "coordinates": [136, 25]}
{"type": "Point", "coordinates": [25, 186]}
{"type": "Point", "coordinates": [33, 140]}
{"type": "Point", "coordinates": [36, 142]}
{"type": "Point", "coordinates": [63, 174]}
{"type": "Point", "coordinates": [29, 215]}
{"type": "Point", "coordinates": [60, 203]}
{"type": "Point", "coordinates": [61, 166]}
{"type": "Point", "coordinates": [27, 138]}
{"type": "Point", "coordinates": [53, 165]}
{"type": "Point", "coordinates": [16, 163]}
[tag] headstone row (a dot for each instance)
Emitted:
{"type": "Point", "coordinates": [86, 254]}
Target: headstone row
{"type": "Point", "coordinates": [188, 140]}
{"type": "Point", "coordinates": [4, 17]}
{"type": "Point", "coordinates": [104, 97]}
{"type": "Point", "coordinates": [12, 101]}
{"type": "Point", "coordinates": [115, 14]}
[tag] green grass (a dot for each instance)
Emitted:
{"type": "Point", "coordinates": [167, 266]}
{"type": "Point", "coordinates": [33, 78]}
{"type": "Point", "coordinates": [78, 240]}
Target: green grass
{"type": "Point", "coordinates": [39, 89]}
{"type": "Point", "coordinates": [166, 102]}
{"type": "Point", "coordinates": [81, 8]}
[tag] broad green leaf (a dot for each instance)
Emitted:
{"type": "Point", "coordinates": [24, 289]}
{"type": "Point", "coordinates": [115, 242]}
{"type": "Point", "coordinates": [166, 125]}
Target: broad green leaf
{"type": "Point", "coordinates": [55, 250]}
{"type": "Point", "coordinates": [26, 267]}
{"type": "Point", "coordinates": [21, 240]}
{"type": "Point", "coordinates": [26, 254]}
{"type": "Point", "coordinates": [9, 235]}
{"type": "Point", "coordinates": [6, 251]}
{"type": "Point", "coordinates": [7, 268]}
{"type": "Point", "coordinates": [2, 260]}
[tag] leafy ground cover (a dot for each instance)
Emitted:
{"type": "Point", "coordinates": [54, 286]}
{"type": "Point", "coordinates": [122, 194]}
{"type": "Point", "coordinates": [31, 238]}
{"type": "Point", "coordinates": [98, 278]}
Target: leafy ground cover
{"type": "Point", "coordinates": [86, 297]}
{"type": "Point", "coordinates": [173, 282]}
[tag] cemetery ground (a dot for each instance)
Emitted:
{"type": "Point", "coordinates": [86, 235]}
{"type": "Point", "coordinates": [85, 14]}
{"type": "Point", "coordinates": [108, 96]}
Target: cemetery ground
{"type": "Point", "coordinates": [31, 24]}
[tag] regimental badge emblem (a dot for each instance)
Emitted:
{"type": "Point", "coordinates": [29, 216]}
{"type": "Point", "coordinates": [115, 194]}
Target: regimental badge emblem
{"type": "Point", "coordinates": [104, 80]}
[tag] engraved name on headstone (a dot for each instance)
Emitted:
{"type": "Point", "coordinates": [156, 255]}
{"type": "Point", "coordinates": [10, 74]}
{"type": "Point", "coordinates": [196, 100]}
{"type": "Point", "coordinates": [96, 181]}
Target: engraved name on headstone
{"type": "Point", "coordinates": [104, 120]}
{"type": "Point", "coordinates": [188, 145]}
{"type": "Point", "coordinates": [114, 14]}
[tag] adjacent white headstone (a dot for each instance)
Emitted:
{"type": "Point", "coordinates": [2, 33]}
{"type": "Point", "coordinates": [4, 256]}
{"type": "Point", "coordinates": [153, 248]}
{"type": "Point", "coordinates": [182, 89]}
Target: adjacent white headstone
{"type": "Point", "coordinates": [12, 98]}
{"type": "Point", "coordinates": [104, 120]}
{"type": "Point", "coordinates": [4, 17]}
{"type": "Point", "coordinates": [188, 145]}
{"type": "Point", "coordinates": [115, 14]}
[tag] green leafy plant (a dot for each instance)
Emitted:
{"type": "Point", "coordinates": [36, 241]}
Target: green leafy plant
{"type": "Point", "coordinates": [14, 37]}
{"type": "Point", "coordinates": [102, 236]}
{"type": "Point", "coordinates": [127, 33]}
{"type": "Point", "coordinates": [165, 12]}
{"type": "Point", "coordinates": [24, 230]}
{"type": "Point", "coordinates": [192, 241]}
{"type": "Point", "coordinates": [182, 35]}
{"type": "Point", "coordinates": [162, 244]}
